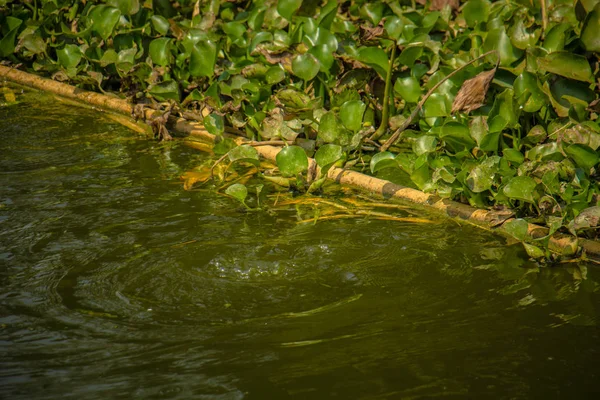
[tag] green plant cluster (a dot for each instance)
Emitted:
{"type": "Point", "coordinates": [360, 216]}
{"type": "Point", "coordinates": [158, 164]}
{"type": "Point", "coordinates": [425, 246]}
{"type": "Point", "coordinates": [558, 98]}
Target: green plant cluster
{"type": "Point", "coordinates": [336, 78]}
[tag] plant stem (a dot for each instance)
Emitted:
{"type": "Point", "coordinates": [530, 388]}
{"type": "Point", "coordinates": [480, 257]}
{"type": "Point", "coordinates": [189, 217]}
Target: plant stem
{"type": "Point", "coordinates": [385, 113]}
{"type": "Point", "coordinates": [419, 106]}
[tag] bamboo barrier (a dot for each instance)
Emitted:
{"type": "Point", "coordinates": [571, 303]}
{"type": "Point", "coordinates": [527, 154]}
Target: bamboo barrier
{"type": "Point", "coordinates": [490, 220]}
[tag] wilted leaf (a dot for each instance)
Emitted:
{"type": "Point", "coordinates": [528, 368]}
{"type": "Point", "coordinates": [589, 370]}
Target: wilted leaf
{"type": "Point", "coordinates": [481, 178]}
{"type": "Point", "coordinates": [588, 218]}
{"type": "Point", "coordinates": [472, 93]}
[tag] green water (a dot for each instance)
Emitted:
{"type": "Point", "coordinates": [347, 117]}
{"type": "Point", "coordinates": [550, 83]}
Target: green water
{"type": "Point", "coordinates": [117, 283]}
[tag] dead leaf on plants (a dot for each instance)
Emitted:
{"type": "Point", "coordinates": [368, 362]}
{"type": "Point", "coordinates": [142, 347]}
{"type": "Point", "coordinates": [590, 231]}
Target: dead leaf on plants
{"type": "Point", "coordinates": [472, 93]}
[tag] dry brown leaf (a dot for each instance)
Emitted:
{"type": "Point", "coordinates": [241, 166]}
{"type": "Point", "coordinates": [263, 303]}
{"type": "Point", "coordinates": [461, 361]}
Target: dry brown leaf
{"type": "Point", "coordinates": [472, 93]}
{"type": "Point", "coordinates": [437, 5]}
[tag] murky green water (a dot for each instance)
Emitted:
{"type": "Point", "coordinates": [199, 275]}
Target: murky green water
{"type": "Point", "coordinates": [117, 283]}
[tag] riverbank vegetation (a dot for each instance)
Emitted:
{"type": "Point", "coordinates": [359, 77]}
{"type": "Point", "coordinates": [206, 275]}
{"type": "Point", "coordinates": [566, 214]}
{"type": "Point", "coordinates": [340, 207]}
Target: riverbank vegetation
{"type": "Point", "coordinates": [492, 104]}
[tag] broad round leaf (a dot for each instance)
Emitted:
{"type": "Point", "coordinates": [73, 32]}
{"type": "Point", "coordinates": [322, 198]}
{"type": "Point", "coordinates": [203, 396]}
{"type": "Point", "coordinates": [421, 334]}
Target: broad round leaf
{"type": "Point", "coordinates": [305, 66]}
{"type": "Point", "coordinates": [274, 75]}
{"type": "Point", "coordinates": [238, 192]}
{"type": "Point", "coordinates": [383, 160]}
{"type": "Point", "coordinates": [203, 58]}
{"type": "Point", "coordinates": [329, 128]}
{"type": "Point", "coordinates": [325, 57]}
{"type": "Point", "coordinates": [481, 178]}
{"type": "Point", "coordinates": [160, 51]}
{"type": "Point", "coordinates": [376, 58]}
{"type": "Point", "coordinates": [287, 8]}
{"type": "Point", "coordinates": [394, 26]}
{"type": "Point", "coordinates": [351, 114]}
{"type": "Point", "coordinates": [69, 56]}
{"type": "Point", "coordinates": [291, 161]}
{"type": "Point", "coordinates": [584, 156]}
{"type": "Point", "coordinates": [425, 144]}
{"type": "Point", "coordinates": [497, 39]}
{"type": "Point", "coordinates": [103, 19]}
{"type": "Point", "coordinates": [127, 7]}
{"type": "Point", "coordinates": [590, 33]}
{"type": "Point", "coordinates": [160, 24]}
{"type": "Point", "coordinates": [520, 188]}
{"type": "Point", "coordinates": [408, 88]}
{"type": "Point", "coordinates": [214, 124]}
{"type": "Point", "coordinates": [165, 90]}
{"type": "Point", "coordinates": [567, 64]}
{"type": "Point", "coordinates": [328, 154]}
{"type": "Point", "coordinates": [244, 153]}
{"type": "Point", "coordinates": [517, 228]}
{"type": "Point", "coordinates": [475, 11]}
{"type": "Point", "coordinates": [528, 93]}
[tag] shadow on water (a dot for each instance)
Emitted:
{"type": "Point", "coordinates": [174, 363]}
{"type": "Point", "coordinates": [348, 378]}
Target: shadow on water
{"type": "Point", "coordinates": [117, 283]}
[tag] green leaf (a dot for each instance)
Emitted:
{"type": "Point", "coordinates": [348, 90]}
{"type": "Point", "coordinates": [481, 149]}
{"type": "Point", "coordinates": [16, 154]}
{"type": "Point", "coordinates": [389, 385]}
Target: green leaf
{"type": "Point", "coordinates": [383, 160]}
{"type": "Point", "coordinates": [330, 128]}
{"type": "Point", "coordinates": [458, 135]}
{"type": "Point", "coordinates": [127, 7]}
{"type": "Point", "coordinates": [238, 192]}
{"type": "Point", "coordinates": [160, 51]}
{"type": "Point", "coordinates": [351, 114]}
{"type": "Point", "coordinates": [534, 251]}
{"type": "Point", "coordinates": [244, 153]}
{"type": "Point", "coordinates": [234, 29]}
{"type": "Point", "coordinates": [287, 8]}
{"type": "Point", "coordinates": [203, 58]}
{"type": "Point", "coordinates": [513, 155]}
{"type": "Point", "coordinates": [393, 26]}
{"type": "Point", "coordinates": [528, 93]}
{"type": "Point", "coordinates": [521, 36]}
{"type": "Point", "coordinates": [584, 156]}
{"type": "Point", "coordinates": [520, 188]}
{"type": "Point", "coordinates": [376, 58]}
{"type": "Point", "coordinates": [7, 44]}
{"type": "Point", "coordinates": [408, 88]}
{"type": "Point", "coordinates": [475, 11]}
{"type": "Point", "coordinates": [556, 37]}
{"type": "Point", "coordinates": [505, 108]}
{"type": "Point", "coordinates": [497, 39]}
{"type": "Point", "coordinates": [165, 90]}
{"type": "Point", "coordinates": [437, 105]}
{"type": "Point", "coordinates": [69, 56]}
{"type": "Point", "coordinates": [567, 64]}
{"type": "Point", "coordinates": [328, 154]}
{"type": "Point", "coordinates": [274, 75]}
{"type": "Point", "coordinates": [325, 57]}
{"type": "Point", "coordinates": [589, 33]}
{"type": "Point", "coordinates": [425, 144]}
{"type": "Point", "coordinates": [34, 43]}
{"type": "Point", "coordinates": [160, 24]}
{"type": "Point", "coordinates": [305, 66]}
{"type": "Point", "coordinates": [214, 124]}
{"type": "Point", "coordinates": [372, 11]}
{"type": "Point", "coordinates": [481, 178]}
{"type": "Point", "coordinates": [517, 228]}
{"type": "Point", "coordinates": [103, 20]}
{"type": "Point", "coordinates": [291, 161]}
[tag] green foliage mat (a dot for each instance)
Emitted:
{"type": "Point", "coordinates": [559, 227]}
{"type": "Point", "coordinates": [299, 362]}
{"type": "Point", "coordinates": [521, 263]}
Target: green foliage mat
{"type": "Point", "coordinates": [334, 79]}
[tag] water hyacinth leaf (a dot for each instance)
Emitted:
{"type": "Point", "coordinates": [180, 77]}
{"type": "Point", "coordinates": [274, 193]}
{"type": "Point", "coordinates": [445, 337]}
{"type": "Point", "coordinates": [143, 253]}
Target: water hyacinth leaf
{"type": "Point", "coordinates": [164, 91]}
{"type": "Point", "coordinates": [518, 228]}
{"type": "Point", "coordinates": [351, 114]}
{"type": "Point", "coordinates": [567, 64]}
{"type": "Point", "coordinates": [160, 51]}
{"type": "Point", "coordinates": [481, 178]}
{"type": "Point", "coordinates": [325, 57]}
{"type": "Point", "coordinates": [534, 251]}
{"type": "Point", "coordinates": [408, 88]}
{"type": "Point", "coordinates": [291, 161]}
{"type": "Point", "coordinates": [589, 33]}
{"type": "Point", "coordinates": [373, 11]}
{"type": "Point", "coordinates": [513, 155]}
{"type": "Point", "coordinates": [505, 108]}
{"type": "Point", "coordinates": [436, 106]}
{"type": "Point", "coordinates": [103, 20]}
{"type": "Point", "coordinates": [127, 7]}
{"type": "Point", "coordinates": [556, 37]}
{"type": "Point", "coordinates": [521, 36]}
{"type": "Point", "coordinates": [425, 144]}
{"type": "Point", "coordinates": [457, 134]}
{"type": "Point", "coordinates": [234, 29]}
{"type": "Point", "coordinates": [328, 154]}
{"type": "Point", "coordinates": [528, 93]}
{"type": "Point", "coordinates": [497, 39]}
{"type": "Point", "coordinates": [274, 75]}
{"type": "Point", "coordinates": [329, 128]}
{"type": "Point", "coordinates": [244, 153]}
{"type": "Point", "coordinates": [520, 188]}
{"type": "Point", "coordinates": [545, 152]}
{"type": "Point", "coordinates": [69, 56]}
{"type": "Point", "coordinates": [374, 57]}
{"type": "Point", "coordinates": [160, 24]}
{"type": "Point", "coordinates": [588, 218]}
{"type": "Point", "coordinates": [7, 43]}
{"type": "Point", "coordinates": [305, 66]}
{"type": "Point", "coordinates": [214, 124]}
{"type": "Point", "coordinates": [584, 156]}
{"type": "Point", "coordinates": [238, 191]}
{"type": "Point", "coordinates": [393, 26]}
{"type": "Point", "coordinates": [383, 160]}
{"type": "Point", "coordinates": [203, 58]}
{"type": "Point", "coordinates": [475, 11]}
{"type": "Point", "coordinates": [33, 43]}
{"type": "Point", "coordinates": [287, 8]}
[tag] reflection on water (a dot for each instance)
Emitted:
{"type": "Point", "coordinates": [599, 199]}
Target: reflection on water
{"type": "Point", "coordinates": [115, 282]}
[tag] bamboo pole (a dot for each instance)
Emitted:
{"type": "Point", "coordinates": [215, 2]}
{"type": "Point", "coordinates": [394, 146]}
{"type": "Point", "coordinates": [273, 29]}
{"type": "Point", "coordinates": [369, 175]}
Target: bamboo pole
{"type": "Point", "coordinates": [490, 220]}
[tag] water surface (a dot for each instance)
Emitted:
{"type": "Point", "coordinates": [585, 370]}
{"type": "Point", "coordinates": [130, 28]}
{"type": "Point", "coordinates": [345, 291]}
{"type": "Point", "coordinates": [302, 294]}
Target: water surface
{"type": "Point", "coordinates": [115, 282]}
